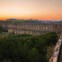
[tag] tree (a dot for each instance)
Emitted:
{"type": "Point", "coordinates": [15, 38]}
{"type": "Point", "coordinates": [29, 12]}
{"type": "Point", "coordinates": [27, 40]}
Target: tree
{"type": "Point", "coordinates": [1, 28]}
{"type": "Point", "coordinates": [33, 55]}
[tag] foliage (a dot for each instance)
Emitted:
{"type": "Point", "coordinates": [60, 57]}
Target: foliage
{"type": "Point", "coordinates": [26, 48]}
{"type": "Point", "coordinates": [1, 28]}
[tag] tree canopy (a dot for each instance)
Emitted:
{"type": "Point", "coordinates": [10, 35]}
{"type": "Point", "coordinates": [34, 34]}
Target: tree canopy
{"type": "Point", "coordinates": [26, 48]}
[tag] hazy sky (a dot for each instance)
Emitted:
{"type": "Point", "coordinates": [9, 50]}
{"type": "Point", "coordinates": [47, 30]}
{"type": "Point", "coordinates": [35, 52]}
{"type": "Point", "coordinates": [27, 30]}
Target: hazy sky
{"type": "Point", "coordinates": [31, 9]}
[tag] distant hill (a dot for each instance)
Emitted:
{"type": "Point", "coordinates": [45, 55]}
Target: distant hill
{"type": "Point", "coordinates": [12, 20]}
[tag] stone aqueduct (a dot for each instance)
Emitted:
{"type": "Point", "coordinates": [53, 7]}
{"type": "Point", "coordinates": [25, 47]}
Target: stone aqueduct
{"type": "Point", "coordinates": [32, 28]}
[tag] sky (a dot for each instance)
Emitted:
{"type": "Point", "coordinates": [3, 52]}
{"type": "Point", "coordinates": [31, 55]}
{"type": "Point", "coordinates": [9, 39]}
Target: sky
{"type": "Point", "coordinates": [31, 9]}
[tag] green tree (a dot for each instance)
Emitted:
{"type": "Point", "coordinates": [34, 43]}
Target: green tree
{"type": "Point", "coordinates": [33, 55]}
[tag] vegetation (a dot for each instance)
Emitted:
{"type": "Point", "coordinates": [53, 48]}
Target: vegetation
{"type": "Point", "coordinates": [26, 48]}
{"type": "Point", "coordinates": [3, 29]}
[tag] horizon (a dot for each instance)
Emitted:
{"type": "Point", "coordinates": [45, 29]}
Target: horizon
{"type": "Point", "coordinates": [4, 19]}
{"type": "Point", "coordinates": [31, 9]}
{"type": "Point", "coordinates": [14, 19]}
